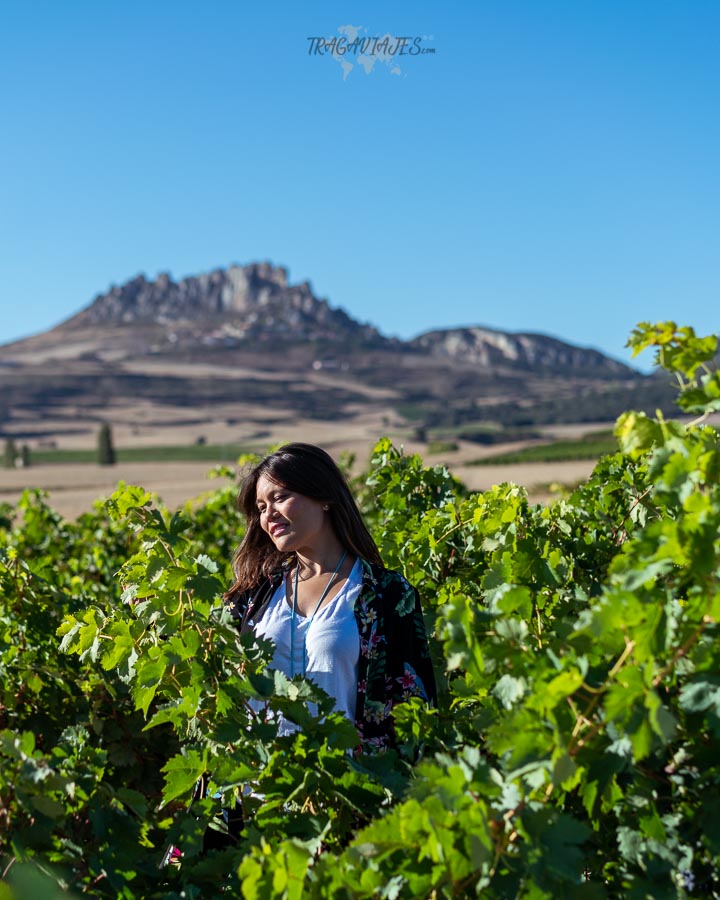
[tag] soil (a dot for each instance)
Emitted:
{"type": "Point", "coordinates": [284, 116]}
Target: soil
{"type": "Point", "coordinates": [73, 488]}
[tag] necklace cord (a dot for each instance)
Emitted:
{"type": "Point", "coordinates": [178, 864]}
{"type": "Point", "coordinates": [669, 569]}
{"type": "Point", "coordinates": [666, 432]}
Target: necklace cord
{"type": "Point", "coordinates": [310, 621]}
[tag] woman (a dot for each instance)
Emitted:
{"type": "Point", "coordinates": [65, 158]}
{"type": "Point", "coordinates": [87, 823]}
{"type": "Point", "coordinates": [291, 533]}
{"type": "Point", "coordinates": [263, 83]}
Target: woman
{"type": "Point", "coordinates": [308, 576]}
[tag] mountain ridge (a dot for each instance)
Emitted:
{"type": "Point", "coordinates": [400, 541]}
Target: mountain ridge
{"type": "Point", "coordinates": [256, 302]}
{"type": "Point", "coordinates": [247, 336]}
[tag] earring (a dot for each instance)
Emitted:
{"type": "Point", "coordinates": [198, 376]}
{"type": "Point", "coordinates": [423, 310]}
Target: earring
{"type": "Point", "coordinates": [326, 507]}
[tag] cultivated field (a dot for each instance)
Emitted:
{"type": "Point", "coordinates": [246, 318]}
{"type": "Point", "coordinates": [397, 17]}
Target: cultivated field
{"type": "Point", "coordinates": [74, 487]}
{"type": "Point", "coordinates": [143, 423]}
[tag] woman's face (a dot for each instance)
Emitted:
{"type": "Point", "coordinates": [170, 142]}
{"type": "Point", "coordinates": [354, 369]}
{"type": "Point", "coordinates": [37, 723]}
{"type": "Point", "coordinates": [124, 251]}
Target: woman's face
{"type": "Point", "coordinates": [294, 522]}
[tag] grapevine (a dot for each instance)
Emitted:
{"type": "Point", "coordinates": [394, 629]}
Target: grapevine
{"type": "Point", "coordinates": [574, 750]}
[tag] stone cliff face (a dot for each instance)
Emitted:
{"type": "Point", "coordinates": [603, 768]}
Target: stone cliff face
{"type": "Point", "coordinates": [488, 349]}
{"type": "Point", "coordinates": [238, 303]}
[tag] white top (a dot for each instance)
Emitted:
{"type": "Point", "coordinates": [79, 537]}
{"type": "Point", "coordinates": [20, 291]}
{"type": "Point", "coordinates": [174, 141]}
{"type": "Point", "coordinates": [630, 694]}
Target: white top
{"type": "Point", "coordinates": [330, 638]}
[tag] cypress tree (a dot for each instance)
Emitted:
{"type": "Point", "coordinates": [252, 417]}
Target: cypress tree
{"type": "Point", "coordinates": [9, 454]}
{"type": "Point", "coordinates": [106, 451]}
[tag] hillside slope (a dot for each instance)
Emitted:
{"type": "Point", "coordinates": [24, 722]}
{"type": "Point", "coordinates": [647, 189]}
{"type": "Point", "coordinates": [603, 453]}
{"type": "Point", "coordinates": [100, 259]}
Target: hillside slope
{"type": "Point", "coordinates": [244, 337]}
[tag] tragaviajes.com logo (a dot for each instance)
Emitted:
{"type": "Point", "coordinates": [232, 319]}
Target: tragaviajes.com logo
{"type": "Point", "coordinates": [351, 48]}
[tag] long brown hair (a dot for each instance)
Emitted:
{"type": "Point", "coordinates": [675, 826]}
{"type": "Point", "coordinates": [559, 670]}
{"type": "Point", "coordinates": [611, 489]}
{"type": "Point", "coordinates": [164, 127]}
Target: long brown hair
{"type": "Point", "coordinates": [311, 471]}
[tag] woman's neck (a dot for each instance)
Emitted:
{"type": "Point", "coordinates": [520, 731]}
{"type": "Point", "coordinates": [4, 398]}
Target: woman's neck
{"type": "Point", "coordinates": [312, 564]}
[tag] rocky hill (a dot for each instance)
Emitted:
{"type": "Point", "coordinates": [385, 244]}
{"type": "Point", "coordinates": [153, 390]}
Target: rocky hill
{"type": "Point", "coordinates": [245, 333]}
{"type": "Point", "coordinates": [241, 303]}
{"type": "Point", "coordinates": [488, 348]}
{"type": "Point", "coordinates": [245, 304]}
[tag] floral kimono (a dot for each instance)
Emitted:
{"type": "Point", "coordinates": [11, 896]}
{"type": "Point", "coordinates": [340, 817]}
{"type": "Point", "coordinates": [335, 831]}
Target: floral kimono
{"type": "Point", "coordinates": [394, 662]}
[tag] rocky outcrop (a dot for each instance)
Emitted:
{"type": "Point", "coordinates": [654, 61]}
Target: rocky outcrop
{"type": "Point", "coordinates": [490, 349]}
{"type": "Point", "coordinates": [238, 303]}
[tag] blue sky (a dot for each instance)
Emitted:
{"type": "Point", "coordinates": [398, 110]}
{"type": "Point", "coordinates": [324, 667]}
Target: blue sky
{"type": "Point", "coordinates": [551, 167]}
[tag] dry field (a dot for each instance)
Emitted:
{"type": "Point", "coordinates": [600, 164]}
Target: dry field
{"type": "Point", "coordinates": [74, 487]}
{"type": "Point", "coordinates": [73, 423]}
